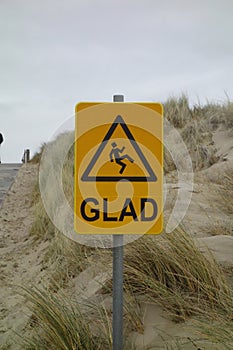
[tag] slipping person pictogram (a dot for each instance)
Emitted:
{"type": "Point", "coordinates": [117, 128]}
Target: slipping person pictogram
{"type": "Point", "coordinates": [115, 154]}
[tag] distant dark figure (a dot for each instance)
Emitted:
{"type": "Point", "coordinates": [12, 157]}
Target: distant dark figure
{"type": "Point", "coordinates": [1, 141]}
{"type": "Point", "coordinates": [26, 156]}
{"type": "Point", "coordinates": [115, 153]}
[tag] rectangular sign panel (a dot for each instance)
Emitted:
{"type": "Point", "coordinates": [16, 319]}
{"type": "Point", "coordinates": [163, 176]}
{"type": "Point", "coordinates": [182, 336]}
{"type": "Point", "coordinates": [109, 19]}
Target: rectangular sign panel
{"type": "Point", "coordinates": [118, 168]}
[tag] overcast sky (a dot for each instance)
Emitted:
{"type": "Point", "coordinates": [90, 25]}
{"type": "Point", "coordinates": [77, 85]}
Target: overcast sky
{"type": "Point", "coordinates": [55, 53]}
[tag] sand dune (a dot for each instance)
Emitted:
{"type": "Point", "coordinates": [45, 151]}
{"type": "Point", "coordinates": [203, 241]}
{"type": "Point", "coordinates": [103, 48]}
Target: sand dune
{"type": "Point", "coordinates": [22, 256]}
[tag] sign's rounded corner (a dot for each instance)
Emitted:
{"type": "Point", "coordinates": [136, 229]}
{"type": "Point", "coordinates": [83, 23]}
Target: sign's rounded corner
{"type": "Point", "coordinates": [156, 107]}
{"type": "Point", "coordinates": [161, 108]}
{"type": "Point", "coordinates": [80, 105]}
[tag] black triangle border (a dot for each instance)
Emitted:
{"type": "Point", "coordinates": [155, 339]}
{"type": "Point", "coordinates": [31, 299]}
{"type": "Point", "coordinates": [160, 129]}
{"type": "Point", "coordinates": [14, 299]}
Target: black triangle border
{"type": "Point", "coordinates": [119, 120]}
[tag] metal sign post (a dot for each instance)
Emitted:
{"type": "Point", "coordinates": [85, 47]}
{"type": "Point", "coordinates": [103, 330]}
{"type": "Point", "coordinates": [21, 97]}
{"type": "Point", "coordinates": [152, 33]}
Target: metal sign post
{"type": "Point", "coordinates": [118, 252]}
{"type": "Point", "coordinates": [118, 142]}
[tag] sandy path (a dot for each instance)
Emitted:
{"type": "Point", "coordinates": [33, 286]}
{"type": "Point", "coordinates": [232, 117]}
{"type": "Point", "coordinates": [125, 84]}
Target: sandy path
{"type": "Point", "coordinates": [20, 256]}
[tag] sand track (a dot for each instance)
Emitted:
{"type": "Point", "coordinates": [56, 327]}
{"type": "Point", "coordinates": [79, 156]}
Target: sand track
{"type": "Point", "coordinates": [20, 255]}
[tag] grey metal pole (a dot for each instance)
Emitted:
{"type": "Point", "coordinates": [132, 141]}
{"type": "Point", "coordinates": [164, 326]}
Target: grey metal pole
{"type": "Point", "coordinates": [118, 257]}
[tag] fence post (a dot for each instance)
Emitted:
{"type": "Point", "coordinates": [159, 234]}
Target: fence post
{"type": "Point", "coordinates": [26, 156]}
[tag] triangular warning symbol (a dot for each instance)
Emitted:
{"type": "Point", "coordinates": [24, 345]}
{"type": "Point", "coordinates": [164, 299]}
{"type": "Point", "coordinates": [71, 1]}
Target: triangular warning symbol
{"type": "Point", "coordinates": [86, 175]}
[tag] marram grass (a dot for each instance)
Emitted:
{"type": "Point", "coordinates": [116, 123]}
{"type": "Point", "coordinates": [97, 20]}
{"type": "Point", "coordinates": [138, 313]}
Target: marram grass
{"type": "Point", "coordinates": [58, 324]}
{"type": "Point", "coordinates": [172, 271]}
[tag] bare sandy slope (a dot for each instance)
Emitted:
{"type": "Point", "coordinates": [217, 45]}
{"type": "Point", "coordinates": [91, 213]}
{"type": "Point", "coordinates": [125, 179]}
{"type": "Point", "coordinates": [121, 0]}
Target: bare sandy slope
{"type": "Point", "coordinates": [206, 214]}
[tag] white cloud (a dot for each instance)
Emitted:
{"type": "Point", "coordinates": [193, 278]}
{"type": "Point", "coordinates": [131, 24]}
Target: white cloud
{"type": "Point", "coordinates": [55, 53]}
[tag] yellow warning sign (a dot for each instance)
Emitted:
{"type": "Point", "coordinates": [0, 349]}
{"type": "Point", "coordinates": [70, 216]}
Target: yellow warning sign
{"type": "Point", "coordinates": [118, 168]}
